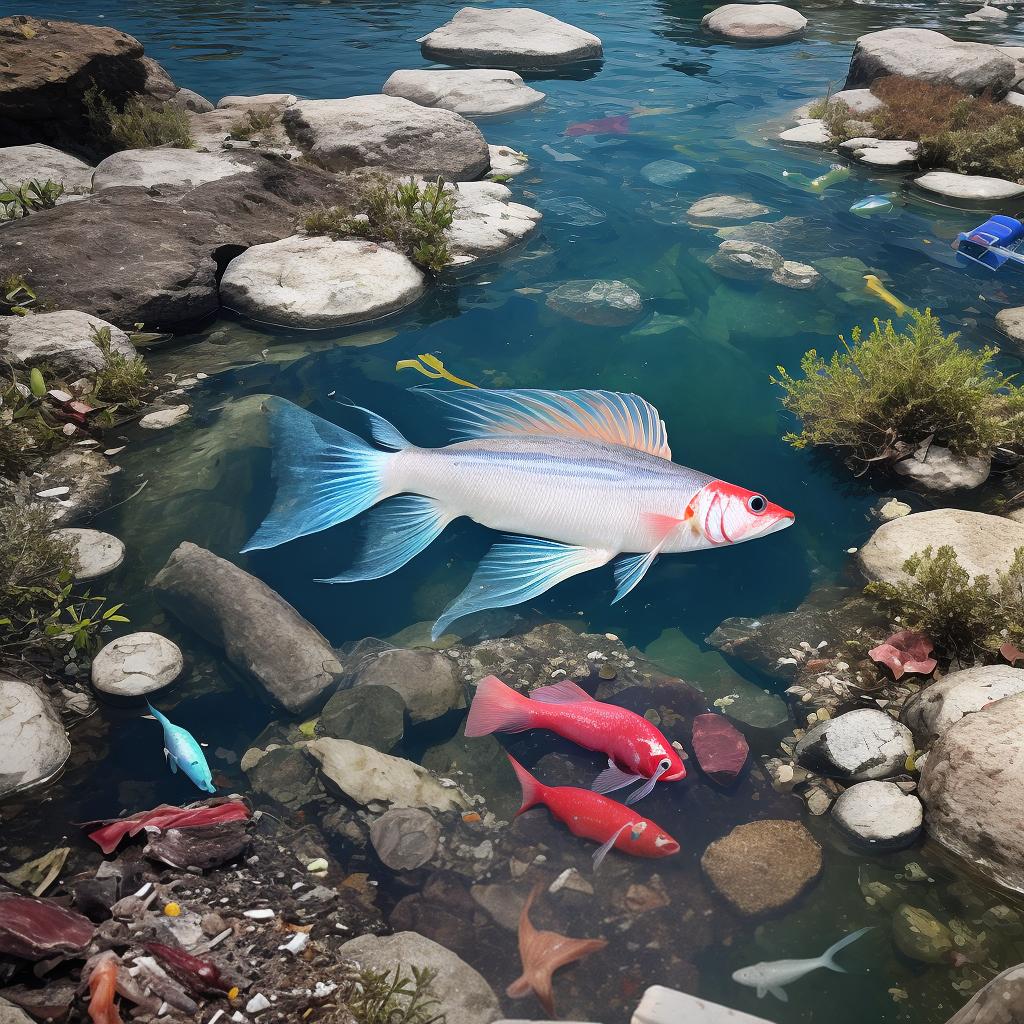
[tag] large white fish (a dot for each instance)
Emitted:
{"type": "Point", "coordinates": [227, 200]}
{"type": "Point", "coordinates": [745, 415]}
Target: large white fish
{"type": "Point", "coordinates": [773, 975]}
{"type": "Point", "coordinates": [581, 476]}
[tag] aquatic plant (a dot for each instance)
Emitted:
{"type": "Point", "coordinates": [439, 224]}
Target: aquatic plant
{"type": "Point", "coordinates": [124, 380]}
{"type": "Point", "coordinates": [414, 219]}
{"type": "Point", "coordinates": [386, 997]}
{"type": "Point", "coordinates": [23, 198]}
{"type": "Point", "coordinates": [883, 395]}
{"type": "Point", "coordinates": [17, 297]}
{"type": "Point", "coordinates": [965, 617]}
{"type": "Point", "coordinates": [24, 434]}
{"type": "Point", "coordinates": [136, 125]}
{"type": "Point", "coordinates": [253, 122]}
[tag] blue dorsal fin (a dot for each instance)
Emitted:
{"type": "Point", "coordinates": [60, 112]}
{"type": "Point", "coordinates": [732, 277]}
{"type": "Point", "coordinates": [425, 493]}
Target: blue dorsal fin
{"type": "Point", "coordinates": [565, 692]}
{"type": "Point", "coordinates": [600, 415]}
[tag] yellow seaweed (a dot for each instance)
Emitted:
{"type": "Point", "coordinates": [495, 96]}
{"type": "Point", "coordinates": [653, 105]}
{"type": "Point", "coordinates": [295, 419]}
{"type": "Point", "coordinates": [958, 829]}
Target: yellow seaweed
{"type": "Point", "coordinates": [431, 366]}
{"type": "Point", "coordinates": [875, 287]}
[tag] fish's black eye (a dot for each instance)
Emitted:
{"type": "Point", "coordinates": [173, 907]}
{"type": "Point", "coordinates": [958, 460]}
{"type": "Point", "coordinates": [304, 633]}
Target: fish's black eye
{"type": "Point", "coordinates": [757, 504]}
{"type": "Point", "coordinates": [665, 764]}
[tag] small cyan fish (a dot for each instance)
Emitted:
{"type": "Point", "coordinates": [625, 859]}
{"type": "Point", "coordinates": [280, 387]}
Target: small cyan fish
{"type": "Point", "coordinates": [636, 749]}
{"type": "Point", "coordinates": [182, 751]}
{"type": "Point", "coordinates": [773, 975]}
{"type": "Point", "coordinates": [596, 817]}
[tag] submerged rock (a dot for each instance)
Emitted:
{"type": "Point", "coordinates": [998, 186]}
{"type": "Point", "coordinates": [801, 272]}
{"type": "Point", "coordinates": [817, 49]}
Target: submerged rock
{"type": "Point", "coordinates": [920, 935]}
{"type": "Point", "coordinates": [44, 163]}
{"type": "Point", "coordinates": [63, 341]}
{"type": "Point", "coordinates": [371, 715]}
{"type": "Point", "coordinates": [480, 767]}
{"type": "Point", "coordinates": [878, 816]}
{"type": "Point", "coordinates": [97, 553]}
{"type": "Point", "coordinates": [405, 838]}
{"type": "Point", "coordinates": [720, 748]}
{"type": "Point", "coordinates": [470, 92]}
{"type": "Point", "coordinates": [136, 665]}
{"type": "Point", "coordinates": [601, 303]}
{"type": "Point", "coordinates": [425, 680]}
{"type": "Point", "coordinates": [162, 419]}
{"type": "Point", "coordinates": [666, 172]}
{"type": "Point", "coordinates": [763, 866]}
{"type": "Point", "coordinates": [1001, 1001]}
{"type": "Point", "coordinates": [661, 1005]}
{"type": "Point", "coordinates": [722, 209]}
{"type": "Point", "coordinates": [33, 743]}
{"type": "Point", "coordinates": [942, 471]}
{"type": "Point", "coordinates": [262, 635]}
{"type": "Point", "coordinates": [862, 744]}
{"type": "Point", "coordinates": [751, 261]}
{"type": "Point", "coordinates": [508, 37]}
{"type": "Point", "coordinates": [755, 23]}
{"type": "Point", "coordinates": [286, 776]}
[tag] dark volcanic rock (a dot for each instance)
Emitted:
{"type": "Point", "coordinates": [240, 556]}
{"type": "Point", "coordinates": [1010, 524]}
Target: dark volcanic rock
{"type": "Point", "coordinates": [719, 747]}
{"type": "Point", "coordinates": [373, 716]}
{"type": "Point", "coordinates": [286, 776]}
{"type": "Point", "coordinates": [35, 929]}
{"type": "Point", "coordinates": [206, 846]}
{"type": "Point", "coordinates": [132, 254]}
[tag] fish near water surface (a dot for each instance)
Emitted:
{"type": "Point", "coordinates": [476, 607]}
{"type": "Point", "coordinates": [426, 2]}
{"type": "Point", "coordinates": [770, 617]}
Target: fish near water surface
{"type": "Point", "coordinates": [582, 477]}
{"type": "Point", "coordinates": [636, 749]}
{"type": "Point", "coordinates": [593, 816]}
{"type": "Point", "coordinates": [182, 751]}
{"type": "Point", "coordinates": [773, 975]}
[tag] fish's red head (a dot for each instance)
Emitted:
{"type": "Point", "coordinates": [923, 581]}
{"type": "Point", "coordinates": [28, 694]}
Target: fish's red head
{"type": "Point", "coordinates": [646, 839]}
{"type": "Point", "coordinates": [662, 759]}
{"type": "Point", "coordinates": [727, 514]}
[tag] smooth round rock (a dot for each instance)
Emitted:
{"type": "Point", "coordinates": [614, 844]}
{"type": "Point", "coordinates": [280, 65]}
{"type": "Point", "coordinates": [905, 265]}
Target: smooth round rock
{"type": "Point", "coordinates": [1011, 322]}
{"type": "Point", "coordinates": [98, 553]}
{"type": "Point", "coordinates": [405, 838]}
{"type": "Point", "coordinates": [64, 341]}
{"type": "Point", "coordinates": [509, 37]}
{"type": "Point", "coordinates": [878, 816]}
{"type": "Point", "coordinates": [44, 163]}
{"type": "Point", "coordinates": [371, 715]}
{"type": "Point", "coordinates": [166, 168]}
{"type": "Point", "coordinates": [755, 23]}
{"type": "Point", "coordinates": [862, 744]}
{"type": "Point", "coordinates": [931, 712]}
{"type": "Point", "coordinates": [315, 281]}
{"type": "Point", "coordinates": [34, 745]}
{"type": "Point", "coordinates": [968, 186]}
{"type": "Point", "coordinates": [601, 303]}
{"type": "Point", "coordinates": [472, 92]}
{"type": "Point", "coordinates": [136, 665]}
{"type": "Point", "coordinates": [727, 209]}
{"type": "Point", "coordinates": [425, 680]}
{"type": "Point", "coordinates": [942, 471]}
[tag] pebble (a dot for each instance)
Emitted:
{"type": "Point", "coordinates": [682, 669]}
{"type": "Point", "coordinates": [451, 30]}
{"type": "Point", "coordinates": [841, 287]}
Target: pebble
{"type": "Point", "coordinates": [818, 801]}
{"type": "Point", "coordinates": [164, 418]}
{"type": "Point", "coordinates": [257, 1004]}
{"type": "Point", "coordinates": [261, 914]}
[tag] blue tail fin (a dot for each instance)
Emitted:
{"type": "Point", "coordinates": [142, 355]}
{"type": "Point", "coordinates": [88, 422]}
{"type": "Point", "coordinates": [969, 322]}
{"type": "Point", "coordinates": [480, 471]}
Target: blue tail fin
{"type": "Point", "coordinates": [325, 475]}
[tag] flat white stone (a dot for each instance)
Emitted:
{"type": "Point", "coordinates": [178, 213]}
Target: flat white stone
{"type": "Point", "coordinates": [98, 553]}
{"type": "Point", "coordinates": [1011, 320]}
{"type": "Point", "coordinates": [315, 281]}
{"type": "Point", "coordinates": [257, 102]}
{"type": "Point", "coordinates": [880, 152]}
{"type": "Point", "coordinates": [878, 815]}
{"type": "Point", "coordinates": [169, 168]}
{"type": "Point", "coordinates": [44, 163]}
{"type": "Point", "coordinates": [942, 471]}
{"type": "Point", "coordinates": [164, 418]}
{"type": "Point", "coordinates": [64, 340]}
{"type": "Point", "coordinates": [661, 1005]}
{"type": "Point", "coordinates": [509, 37]}
{"type": "Point", "coordinates": [810, 133]}
{"type": "Point", "coordinates": [968, 186]}
{"type": "Point", "coordinates": [859, 101]}
{"type": "Point", "coordinates": [486, 222]}
{"type": "Point", "coordinates": [756, 23]}
{"type": "Point", "coordinates": [507, 162]}
{"type": "Point", "coordinates": [1015, 99]}
{"type": "Point", "coordinates": [986, 14]}
{"type": "Point", "coordinates": [727, 209]}
{"type": "Point", "coordinates": [470, 92]}
{"type": "Point", "coordinates": [136, 665]}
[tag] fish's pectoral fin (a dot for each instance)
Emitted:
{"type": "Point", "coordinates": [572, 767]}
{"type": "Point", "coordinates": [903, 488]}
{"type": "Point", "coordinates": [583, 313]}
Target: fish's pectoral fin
{"type": "Point", "coordinates": [172, 761]}
{"type": "Point", "coordinates": [779, 993]}
{"type": "Point", "coordinates": [516, 570]}
{"type": "Point", "coordinates": [605, 848]}
{"type": "Point", "coordinates": [630, 571]}
{"type": "Point", "coordinates": [613, 778]}
{"type": "Point", "coordinates": [396, 532]}
{"type": "Point", "coordinates": [761, 991]}
{"type": "Point", "coordinates": [637, 795]}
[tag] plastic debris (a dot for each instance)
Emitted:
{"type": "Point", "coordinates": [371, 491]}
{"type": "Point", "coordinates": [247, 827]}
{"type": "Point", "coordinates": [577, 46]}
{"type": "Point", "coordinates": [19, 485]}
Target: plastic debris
{"type": "Point", "coordinates": [905, 651]}
{"type": "Point", "coordinates": [431, 366]}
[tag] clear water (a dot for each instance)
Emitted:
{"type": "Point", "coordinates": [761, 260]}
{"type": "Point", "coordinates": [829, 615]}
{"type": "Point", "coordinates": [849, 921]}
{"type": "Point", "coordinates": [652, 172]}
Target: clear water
{"type": "Point", "coordinates": [708, 374]}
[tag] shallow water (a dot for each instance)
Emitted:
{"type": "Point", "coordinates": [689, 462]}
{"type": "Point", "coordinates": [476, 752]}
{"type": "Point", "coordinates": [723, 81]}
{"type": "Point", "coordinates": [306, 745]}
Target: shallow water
{"type": "Point", "coordinates": [702, 353]}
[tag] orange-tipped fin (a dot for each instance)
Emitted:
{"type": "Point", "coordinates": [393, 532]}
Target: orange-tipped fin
{"type": "Point", "coordinates": [498, 708]}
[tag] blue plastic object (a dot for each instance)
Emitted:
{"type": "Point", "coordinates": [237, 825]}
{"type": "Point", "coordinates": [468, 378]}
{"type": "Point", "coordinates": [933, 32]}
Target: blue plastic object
{"type": "Point", "coordinates": [992, 244]}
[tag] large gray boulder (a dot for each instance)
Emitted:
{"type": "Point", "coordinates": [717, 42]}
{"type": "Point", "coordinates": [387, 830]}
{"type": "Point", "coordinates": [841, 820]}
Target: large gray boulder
{"type": "Point", "coordinates": [165, 168]}
{"type": "Point", "coordinates": [64, 341]}
{"type": "Point", "coordinates": [425, 680]}
{"type": "Point", "coordinates": [970, 187]}
{"type": "Point", "coordinates": [44, 163]}
{"type": "Point", "coordinates": [261, 634]}
{"type": "Point", "coordinates": [389, 132]}
{"type": "Point", "coordinates": [470, 91]}
{"type": "Point", "coordinates": [984, 544]}
{"type": "Point", "coordinates": [931, 712]}
{"type": "Point", "coordinates": [862, 744]}
{"type": "Point", "coordinates": [464, 996]}
{"type": "Point", "coordinates": [33, 743]}
{"type": "Point", "coordinates": [508, 37]}
{"type": "Point", "coordinates": [971, 785]}
{"type": "Point", "coordinates": [1001, 1001]}
{"type": "Point", "coordinates": [316, 281]}
{"type": "Point", "coordinates": [755, 23]}
{"type": "Point", "coordinates": [931, 57]}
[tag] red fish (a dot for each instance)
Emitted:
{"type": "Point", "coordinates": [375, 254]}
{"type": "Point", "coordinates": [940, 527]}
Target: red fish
{"type": "Point", "coordinates": [163, 817]}
{"type": "Point", "coordinates": [102, 989]}
{"type": "Point", "coordinates": [636, 749]}
{"type": "Point", "coordinates": [596, 817]}
{"type": "Point", "coordinates": [542, 953]}
{"type": "Point", "coordinates": [618, 125]}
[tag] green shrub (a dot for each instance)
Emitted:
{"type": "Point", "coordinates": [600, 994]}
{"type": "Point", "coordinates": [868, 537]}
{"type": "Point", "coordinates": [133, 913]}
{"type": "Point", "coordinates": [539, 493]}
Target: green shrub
{"type": "Point", "coordinates": [124, 380]}
{"type": "Point", "coordinates": [882, 395]}
{"type": "Point", "coordinates": [28, 196]}
{"type": "Point", "coordinates": [253, 122]}
{"type": "Point", "coordinates": [963, 617]}
{"type": "Point", "coordinates": [24, 434]}
{"type": "Point", "coordinates": [136, 125]}
{"type": "Point", "coordinates": [414, 219]}
{"type": "Point", "coordinates": [386, 997]}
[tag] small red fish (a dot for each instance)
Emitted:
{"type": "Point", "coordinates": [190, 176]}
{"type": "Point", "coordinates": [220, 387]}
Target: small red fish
{"type": "Point", "coordinates": [102, 989]}
{"type": "Point", "coordinates": [618, 125]}
{"type": "Point", "coordinates": [596, 817]}
{"type": "Point", "coordinates": [163, 817]}
{"type": "Point", "coordinates": [636, 749]}
{"type": "Point", "coordinates": [542, 953]}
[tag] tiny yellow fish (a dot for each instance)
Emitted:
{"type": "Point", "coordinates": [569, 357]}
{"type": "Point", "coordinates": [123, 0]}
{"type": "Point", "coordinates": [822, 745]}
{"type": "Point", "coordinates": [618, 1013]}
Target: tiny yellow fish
{"type": "Point", "coordinates": [431, 366]}
{"type": "Point", "coordinates": [875, 287]}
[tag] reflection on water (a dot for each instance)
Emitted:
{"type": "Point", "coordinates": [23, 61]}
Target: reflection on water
{"type": "Point", "coordinates": [702, 352]}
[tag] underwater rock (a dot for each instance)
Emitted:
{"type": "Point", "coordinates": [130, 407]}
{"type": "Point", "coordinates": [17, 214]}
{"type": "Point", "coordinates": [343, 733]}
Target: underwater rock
{"type": "Point", "coordinates": [262, 635]}
{"type": "Point", "coordinates": [373, 716]}
{"type": "Point", "coordinates": [721, 209]}
{"type": "Point", "coordinates": [971, 784]}
{"type": "Point", "coordinates": [366, 775]}
{"type": "Point", "coordinates": [162, 419]}
{"type": "Point", "coordinates": [485, 223]}
{"type": "Point", "coordinates": [984, 544]}
{"type": "Point", "coordinates": [755, 23]}
{"type": "Point", "coordinates": [425, 680]}
{"type": "Point", "coordinates": [200, 846]}
{"type": "Point", "coordinates": [862, 744]}
{"type": "Point", "coordinates": [920, 935]}
{"type": "Point", "coordinates": [63, 341]}
{"type": "Point", "coordinates": [463, 995]}
{"type": "Point", "coordinates": [968, 186]}
{"type": "Point", "coordinates": [480, 767]}
{"type": "Point", "coordinates": [97, 553]}
{"type": "Point", "coordinates": [33, 743]}
{"type": "Point", "coordinates": [601, 303]}
{"type": "Point", "coordinates": [878, 816]}
{"type": "Point", "coordinates": [169, 168]}
{"type": "Point", "coordinates": [136, 665]}
{"type": "Point", "coordinates": [285, 776]}
{"type": "Point", "coordinates": [880, 152]}
{"type": "Point", "coordinates": [666, 172]}
{"type": "Point", "coordinates": [1001, 1001]}
{"type": "Point", "coordinates": [720, 748]}
{"type": "Point", "coordinates": [405, 838]}
{"type": "Point", "coordinates": [791, 274]}
{"type": "Point", "coordinates": [751, 261]}
{"type": "Point", "coordinates": [931, 57]}
{"type": "Point", "coordinates": [470, 92]}
{"type": "Point", "coordinates": [932, 711]}
{"type": "Point", "coordinates": [35, 929]}
{"type": "Point", "coordinates": [44, 163]}
{"type": "Point", "coordinates": [316, 281]}
{"type": "Point", "coordinates": [508, 37]}
{"type": "Point", "coordinates": [763, 866]}
{"type": "Point", "coordinates": [11, 1014]}
{"type": "Point", "coordinates": [390, 133]}
{"type": "Point", "coordinates": [942, 471]}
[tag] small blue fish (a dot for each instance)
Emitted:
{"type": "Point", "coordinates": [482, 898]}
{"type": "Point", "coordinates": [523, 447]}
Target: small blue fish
{"type": "Point", "coordinates": [872, 205]}
{"type": "Point", "coordinates": [182, 751]}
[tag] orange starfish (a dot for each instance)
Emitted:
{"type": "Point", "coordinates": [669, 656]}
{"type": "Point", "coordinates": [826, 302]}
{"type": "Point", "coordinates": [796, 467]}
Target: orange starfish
{"type": "Point", "coordinates": [542, 953]}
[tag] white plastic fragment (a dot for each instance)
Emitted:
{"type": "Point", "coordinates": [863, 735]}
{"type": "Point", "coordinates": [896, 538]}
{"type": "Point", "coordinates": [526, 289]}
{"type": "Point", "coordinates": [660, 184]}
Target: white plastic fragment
{"type": "Point", "coordinates": [257, 1004]}
{"type": "Point", "coordinates": [299, 941]}
{"type": "Point", "coordinates": [260, 914]}
{"type": "Point", "coordinates": [53, 492]}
